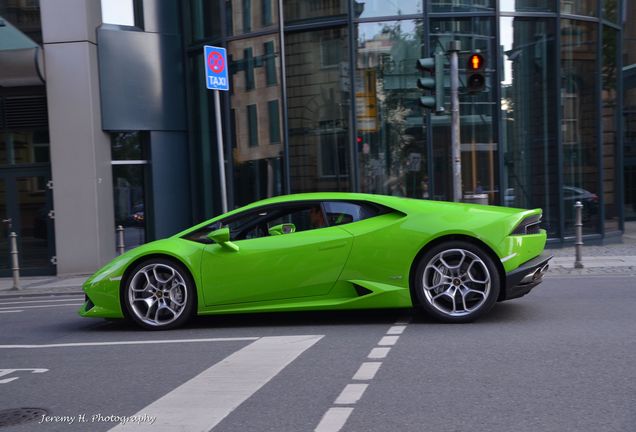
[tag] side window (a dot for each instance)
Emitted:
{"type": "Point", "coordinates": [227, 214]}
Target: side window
{"type": "Point", "coordinates": [344, 212]}
{"type": "Point", "coordinates": [304, 218]}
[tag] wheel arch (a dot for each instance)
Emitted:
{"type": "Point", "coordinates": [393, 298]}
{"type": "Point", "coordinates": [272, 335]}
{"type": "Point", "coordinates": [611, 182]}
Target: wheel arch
{"type": "Point", "coordinates": [165, 256]}
{"type": "Point", "coordinates": [454, 237]}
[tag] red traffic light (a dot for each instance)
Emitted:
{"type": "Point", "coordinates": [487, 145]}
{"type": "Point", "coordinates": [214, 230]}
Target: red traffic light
{"type": "Point", "coordinates": [475, 62]}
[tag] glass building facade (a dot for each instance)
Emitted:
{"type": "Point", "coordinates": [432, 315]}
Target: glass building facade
{"type": "Point", "coordinates": [326, 100]}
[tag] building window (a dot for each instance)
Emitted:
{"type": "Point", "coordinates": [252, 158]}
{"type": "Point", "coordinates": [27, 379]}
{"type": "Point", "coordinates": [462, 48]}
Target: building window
{"type": "Point", "coordinates": [330, 52]}
{"type": "Point", "coordinates": [122, 12]}
{"type": "Point", "coordinates": [130, 169]}
{"type": "Point", "coordinates": [233, 127]}
{"type": "Point", "coordinates": [318, 101]}
{"type": "Point", "coordinates": [248, 60]}
{"type": "Point", "coordinates": [247, 16]}
{"type": "Point", "coordinates": [528, 111]}
{"type": "Point", "coordinates": [252, 122]}
{"type": "Point", "coordinates": [270, 64]}
{"type": "Point", "coordinates": [266, 18]}
{"type": "Point", "coordinates": [579, 123]}
{"type": "Point", "coordinates": [274, 122]}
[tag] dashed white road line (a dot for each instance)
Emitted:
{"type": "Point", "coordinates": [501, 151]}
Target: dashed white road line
{"type": "Point", "coordinates": [205, 400]}
{"type": "Point", "coordinates": [379, 353]}
{"type": "Point", "coordinates": [388, 340]}
{"type": "Point", "coordinates": [367, 371]}
{"type": "Point", "coordinates": [334, 419]}
{"type": "Point", "coordinates": [351, 394]}
{"type": "Point", "coordinates": [10, 311]}
{"type": "Point", "coordinates": [396, 330]}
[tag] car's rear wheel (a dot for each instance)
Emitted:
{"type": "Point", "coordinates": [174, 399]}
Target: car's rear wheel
{"type": "Point", "coordinates": [159, 294]}
{"type": "Point", "coordinates": [456, 281]}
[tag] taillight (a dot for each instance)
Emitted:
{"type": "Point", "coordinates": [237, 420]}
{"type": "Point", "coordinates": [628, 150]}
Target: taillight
{"type": "Point", "coordinates": [530, 225]}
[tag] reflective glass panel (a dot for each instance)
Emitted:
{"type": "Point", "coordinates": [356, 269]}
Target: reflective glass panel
{"type": "Point", "coordinates": [296, 11]}
{"type": "Point", "coordinates": [528, 110]}
{"type": "Point", "coordinates": [129, 198]}
{"type": "Point", "coordinates": [318, 90]}
{"type": "Point", "coordinates": [25, 15]}
{"type": "Point", "coordinates": [462, 5]}
{"type": "Point", "coordinates": [579, 7]}
{"type": "Point", "coordinates": [247, 16]}
{"type": "Point", "coordinates": [204, 19]}
{"type": "Point", "coordinates": [478, 135]}
{"type": "Point", "coordinates": [34, 222]}
{"type": "Point", "coordinates": [391, 138]}
{"type": "Point", "coordinates": [629, 115]}
{"type": "Point", "coordinates": [256, 119]}
{"type": "Point", "coordinates": [609, 75]}
{"type": "Point", "coordinates": [527, 5]}
{"type": "Point", "coordinates": [128, 146]}
{"type": "Point", "coordinates": [24, 147]}
{"type": "Point", "coordinates": [610, 9]}
{"type": "Point", "coordinates": [5, 262]}
{"type": "Point", "coordinates": [376, 8]}
{"type": "Point", "coordinates": [579, 119]}
{"type": "Point", "coordinates": [629, 152]}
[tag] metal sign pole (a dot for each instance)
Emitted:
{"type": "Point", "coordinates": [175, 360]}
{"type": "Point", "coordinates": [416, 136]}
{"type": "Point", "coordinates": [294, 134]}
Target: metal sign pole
{"type": "Point", "coordinates": [456, 156]}
{"type": "Point", "coordinates": [219, 145]}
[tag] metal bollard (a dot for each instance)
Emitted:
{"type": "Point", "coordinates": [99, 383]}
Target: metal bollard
{"type": "Point", "coordinates": [578, 227]}
{"type": "Point", "coordinates": [15, 265]}
{"type": "Point", "coordinates": [120, 240]}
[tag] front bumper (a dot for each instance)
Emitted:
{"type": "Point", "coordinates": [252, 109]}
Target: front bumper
{"type": "Point", "coordinates": [521, 280]}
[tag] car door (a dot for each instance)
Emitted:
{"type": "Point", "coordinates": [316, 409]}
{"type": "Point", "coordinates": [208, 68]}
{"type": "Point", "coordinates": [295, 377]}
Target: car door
{"type": "Point", "coordinates": [267, 267]}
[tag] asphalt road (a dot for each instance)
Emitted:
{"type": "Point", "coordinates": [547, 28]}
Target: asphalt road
{"type": "Point", "coordinates": [560, 359]}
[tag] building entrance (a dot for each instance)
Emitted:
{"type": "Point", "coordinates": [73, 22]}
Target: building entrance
{"type": "Point", "coordinates": [26, 208]}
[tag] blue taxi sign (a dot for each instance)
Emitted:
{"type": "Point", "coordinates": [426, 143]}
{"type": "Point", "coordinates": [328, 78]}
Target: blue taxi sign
{"type": "Point", "coordinates": [215, 59]}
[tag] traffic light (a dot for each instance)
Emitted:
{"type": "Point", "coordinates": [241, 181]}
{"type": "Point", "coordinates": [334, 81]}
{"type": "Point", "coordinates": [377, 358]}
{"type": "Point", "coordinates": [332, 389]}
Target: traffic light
{"type": "Point", "coordinates": [476, 81]}
{"type": "Point", "coordinates": [434, 65]}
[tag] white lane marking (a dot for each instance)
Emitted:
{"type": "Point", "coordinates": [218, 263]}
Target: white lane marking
{"type": "Point", "coordinates": [378, 353]}
{"type": "Point", "coordinates": [205, 400]}
{"type": "Point", "coordinates": [334, 419]}
{"type": "Point", "coordinates": [136, 342]}
{"type": "Point", "coordinates": [42, 301]}
{"type": "Point", "coordinates": [388, 340]}
{"type": "Point", "coordinates": [41, 306]}
{"type": "Point", "coordinates": [396, 330]}
{"type": "Point", "coordinates": [10, 311]}
{"type": "Point", "coordinates": [367, 371]}
{"type": "Point", "coordinates": [351, 394]}
{"type": "Point", "coordinates": [4, 372]}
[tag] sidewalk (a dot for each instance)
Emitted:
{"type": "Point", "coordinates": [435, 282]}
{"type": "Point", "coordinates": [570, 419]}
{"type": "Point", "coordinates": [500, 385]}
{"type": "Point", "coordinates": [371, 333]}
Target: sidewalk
{"type": "Point", "coordinates": [619, 258]}
{"type": "Point", "coordinates": [42, 286]}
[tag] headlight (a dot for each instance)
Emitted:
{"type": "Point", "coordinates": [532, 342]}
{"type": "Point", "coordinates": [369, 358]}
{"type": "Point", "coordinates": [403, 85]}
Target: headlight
{"type": "Point", "coordinates": [529, 225]}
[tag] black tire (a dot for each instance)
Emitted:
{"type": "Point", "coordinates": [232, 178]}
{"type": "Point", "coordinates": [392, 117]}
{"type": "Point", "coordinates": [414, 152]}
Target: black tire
{"type": "Point", "coordinates": [453, 290]}
{"type": "Point", "coordinates": [167, 285]}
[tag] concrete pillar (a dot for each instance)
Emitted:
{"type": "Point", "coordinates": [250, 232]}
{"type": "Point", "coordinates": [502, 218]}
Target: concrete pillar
{"type": "Point", "coordinates": [80, 150]}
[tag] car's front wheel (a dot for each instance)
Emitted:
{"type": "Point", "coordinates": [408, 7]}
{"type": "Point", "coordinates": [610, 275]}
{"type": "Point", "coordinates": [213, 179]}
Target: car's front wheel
{"type": "Point", "coordinates": [455, 282]}
{"type": "Point", "coordinates": [159, 294]}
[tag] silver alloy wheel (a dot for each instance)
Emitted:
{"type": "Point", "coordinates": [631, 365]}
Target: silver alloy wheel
{"type": "Point", "coordinates": [157, 294]}
{"type": "Point", "coordinates": [456, 282]}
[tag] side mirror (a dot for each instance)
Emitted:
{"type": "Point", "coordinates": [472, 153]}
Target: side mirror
{"type": "Point", "coordinates": [222, 237]}
{"type": "Point", "coordinates": [285, 228]}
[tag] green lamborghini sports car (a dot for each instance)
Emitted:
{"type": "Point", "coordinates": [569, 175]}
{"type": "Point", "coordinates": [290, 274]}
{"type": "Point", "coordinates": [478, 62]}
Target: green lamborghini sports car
{"type": "Point", "coordinates": [328, 251]}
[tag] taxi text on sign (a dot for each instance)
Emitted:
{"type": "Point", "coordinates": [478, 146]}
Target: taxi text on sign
{"type": "Point", "coordinates": [215, 68]}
